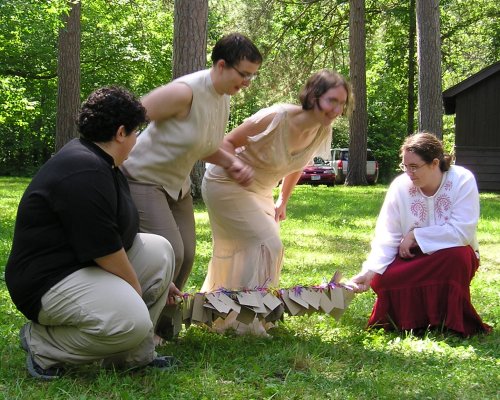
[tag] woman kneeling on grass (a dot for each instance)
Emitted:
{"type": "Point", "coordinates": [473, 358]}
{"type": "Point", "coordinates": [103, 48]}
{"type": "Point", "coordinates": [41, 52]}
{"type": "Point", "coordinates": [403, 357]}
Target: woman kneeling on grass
{"type": "Point", "coordinates": [425, 251]}
{"type": "Point", "coordinates": [92, 286]}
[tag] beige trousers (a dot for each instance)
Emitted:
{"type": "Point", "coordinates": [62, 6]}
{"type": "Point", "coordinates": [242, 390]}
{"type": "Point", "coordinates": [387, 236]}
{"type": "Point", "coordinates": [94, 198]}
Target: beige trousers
{"type": "Point", "coordinates": [94, 315]}
{"type": "Point", "coordinates": [171, 218]}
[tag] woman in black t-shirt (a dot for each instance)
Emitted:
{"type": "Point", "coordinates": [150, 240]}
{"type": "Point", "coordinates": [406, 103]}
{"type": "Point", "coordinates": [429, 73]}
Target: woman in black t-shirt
{"type": "Point", "coordinates": [92, 286]}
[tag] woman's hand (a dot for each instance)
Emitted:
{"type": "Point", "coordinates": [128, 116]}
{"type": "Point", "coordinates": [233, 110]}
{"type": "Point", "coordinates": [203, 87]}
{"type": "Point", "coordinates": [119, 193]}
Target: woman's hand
{"type": "Point", "coordinates": [361, 282]}
{"type": "Point", "coordinates": [286, 190]}
{"type": "Point", "coordinates": [240, 172]}
{"type": "Point", "coordinates": [407, 244]}
{"type": "Point", "coordinates": [279, 210]}
{"type": "Point", "coordinates": [236, 169]}
{"type": "Point", "coordinates": [173, 292]}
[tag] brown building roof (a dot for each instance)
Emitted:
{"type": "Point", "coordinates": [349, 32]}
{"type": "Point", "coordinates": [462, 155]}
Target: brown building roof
{"type": "Point", "coordinates": [450, 94]}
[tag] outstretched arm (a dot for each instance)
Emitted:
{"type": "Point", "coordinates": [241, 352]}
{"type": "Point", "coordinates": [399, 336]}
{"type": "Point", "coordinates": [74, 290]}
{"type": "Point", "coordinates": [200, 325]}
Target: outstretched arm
{"type": "Point", "coordinates": [286, 190]}
{"type": "Point", "coordinates": [361, 282]}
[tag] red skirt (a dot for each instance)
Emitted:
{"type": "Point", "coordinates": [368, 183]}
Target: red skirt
{"type": "Point", "coordinates": [428, 291]}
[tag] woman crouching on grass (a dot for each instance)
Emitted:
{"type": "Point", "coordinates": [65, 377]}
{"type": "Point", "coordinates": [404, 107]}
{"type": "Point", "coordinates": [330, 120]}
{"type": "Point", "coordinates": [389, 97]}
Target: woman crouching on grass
{"type": "Point", "coordinates": [425, 251]}
{"type": "Point", "coordinates": [92, 287]}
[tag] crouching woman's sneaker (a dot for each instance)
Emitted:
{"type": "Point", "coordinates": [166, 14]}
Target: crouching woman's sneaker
{"type": "Point", "coordinates": [164, 363]}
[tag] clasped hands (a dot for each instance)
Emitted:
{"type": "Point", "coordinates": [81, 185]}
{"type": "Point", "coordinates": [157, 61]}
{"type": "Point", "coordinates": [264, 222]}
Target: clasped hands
{"type": "Point", "coordinates": [240, 172]}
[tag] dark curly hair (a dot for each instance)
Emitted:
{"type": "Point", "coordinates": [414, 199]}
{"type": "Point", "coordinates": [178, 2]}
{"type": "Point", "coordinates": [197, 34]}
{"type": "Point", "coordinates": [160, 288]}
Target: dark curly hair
{"type": "Point", "coordinates": [235, 47]}
{"type": "Point", "coordinates": [320, 83]}
{"type": "Point", "coordinates": [105, 110]}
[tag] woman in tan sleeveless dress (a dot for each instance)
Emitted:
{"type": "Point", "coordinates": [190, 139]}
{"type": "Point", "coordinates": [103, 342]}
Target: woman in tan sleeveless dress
{"type": "Point", "coordinates": [277, 142]}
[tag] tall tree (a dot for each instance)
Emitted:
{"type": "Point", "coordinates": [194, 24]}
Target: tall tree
{"type": "Point", "coordinates": [68, 72]}
{"type": "Point", "coordinates": [411, 69]}
{"type": "Point", "coordinates": [190, 55]}
{"type": "Point", "coordinates": [358, 122]}
{"type": "Point", "coordinates": [190, 36]}
{"type": "Point", "coordinates": [430, 104]}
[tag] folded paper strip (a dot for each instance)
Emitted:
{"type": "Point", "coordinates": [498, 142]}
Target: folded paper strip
{"type": "Point", "coordinates": [268, 305]}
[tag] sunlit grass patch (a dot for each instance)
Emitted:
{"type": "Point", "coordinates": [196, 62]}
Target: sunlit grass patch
{"type": "Point", "coordinates": [308, 357]}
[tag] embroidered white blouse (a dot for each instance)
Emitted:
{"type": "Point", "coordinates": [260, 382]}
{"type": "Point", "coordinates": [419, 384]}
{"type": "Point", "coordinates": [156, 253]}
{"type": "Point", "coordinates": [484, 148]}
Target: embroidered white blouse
{"type": "Point", "coordinates": [447, 219]}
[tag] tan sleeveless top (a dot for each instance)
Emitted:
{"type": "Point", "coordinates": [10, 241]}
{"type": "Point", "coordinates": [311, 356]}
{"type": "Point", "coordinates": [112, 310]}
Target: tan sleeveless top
{"type": "Point", "coordinates": [268, 153]}
{"type": "Point", "coordinates": [166, 151]}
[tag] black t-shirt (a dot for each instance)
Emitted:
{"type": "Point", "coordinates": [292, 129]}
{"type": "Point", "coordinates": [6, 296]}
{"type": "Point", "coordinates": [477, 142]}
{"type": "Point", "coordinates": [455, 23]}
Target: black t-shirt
{"type": "Point", "coordinates": [77, 208]}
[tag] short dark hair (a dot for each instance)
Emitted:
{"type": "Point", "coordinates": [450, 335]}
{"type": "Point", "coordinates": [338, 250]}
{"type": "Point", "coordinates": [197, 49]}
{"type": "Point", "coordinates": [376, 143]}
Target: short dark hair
{"type": "Point", "coordinates": [320, 83]}
{"type": "Point", "coordinates": [428, 147]}
{"type": "Point", "coordinates": [234, 48]}
{"type": "Point", "coordinates": [105, 110]}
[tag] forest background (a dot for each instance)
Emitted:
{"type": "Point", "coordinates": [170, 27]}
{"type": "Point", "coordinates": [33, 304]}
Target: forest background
{"type": "Point", "coordinates": [129, 43]}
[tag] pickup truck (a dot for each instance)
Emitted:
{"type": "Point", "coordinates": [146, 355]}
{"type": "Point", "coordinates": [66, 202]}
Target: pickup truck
{"type": "Point", "coordinates": [340, 161]}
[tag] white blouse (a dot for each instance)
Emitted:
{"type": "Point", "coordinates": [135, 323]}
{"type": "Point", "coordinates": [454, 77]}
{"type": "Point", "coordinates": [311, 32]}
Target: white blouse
{"type": "Point", "coordinates": [447, 219]}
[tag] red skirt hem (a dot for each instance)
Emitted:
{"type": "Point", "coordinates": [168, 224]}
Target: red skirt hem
{"type": "Point", "coordinates": [428, 291]}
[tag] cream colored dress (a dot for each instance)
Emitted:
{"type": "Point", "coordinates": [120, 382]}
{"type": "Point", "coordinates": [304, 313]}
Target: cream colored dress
{"type": "Point", "coordinates": [247, 249]}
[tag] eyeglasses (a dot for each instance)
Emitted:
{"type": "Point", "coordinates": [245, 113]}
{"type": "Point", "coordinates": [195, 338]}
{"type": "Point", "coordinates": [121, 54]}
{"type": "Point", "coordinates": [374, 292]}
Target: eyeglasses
{"type": "Point", "coordinates": [410, 168]}
{"type": "Point", "coordinates": [335, 103]}
{"type": "Point", "coordinates": [245, 76]}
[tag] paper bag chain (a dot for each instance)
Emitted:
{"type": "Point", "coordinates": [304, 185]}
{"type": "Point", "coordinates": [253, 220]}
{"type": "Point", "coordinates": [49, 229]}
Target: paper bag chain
{"type": "Point", "coordinates": [266, 305]}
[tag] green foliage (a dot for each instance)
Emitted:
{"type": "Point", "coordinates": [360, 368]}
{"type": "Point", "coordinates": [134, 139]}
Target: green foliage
{"type": "Point", "coordinates": [25, 125]}
{"type": "Point", "coordinates": [11, 191]}
{"type": "Point", "coordinates": [296, 39]}
{"type": "Point", "coordinates": [387, 63]}
{"type": "Point", "coordinates": [129, 42]}
{"type": "Point", "coordinates": [26, 36]}
{"type": "Point", "coordinates": [126, 43]}
{"type": "Point", "coordinates": [340, 132]}
{"type": "Point", "coordinates": [470, 34]}
{"type": "Point", "coordinates": [28, 57]}
{"type": "Point", "coordinates": [309, 357]}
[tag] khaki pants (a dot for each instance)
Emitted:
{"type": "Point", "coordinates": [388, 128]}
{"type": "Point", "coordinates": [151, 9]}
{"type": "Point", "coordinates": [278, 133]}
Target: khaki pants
{"type": "Point", "coordinates": [95, 315]}
{"type": "Point", "coordinates": [171, 218]}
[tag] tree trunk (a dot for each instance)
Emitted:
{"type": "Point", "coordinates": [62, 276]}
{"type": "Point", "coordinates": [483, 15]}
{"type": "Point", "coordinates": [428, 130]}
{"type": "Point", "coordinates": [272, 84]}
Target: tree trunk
{"type": "Point", "coordinates": [358, 122]}
{"type": "Point", "coordinates": [190, 55]}
{"type": "Point", "coordinates": [68, 71]}
{"type": "Point", "coordinates": [411, 70]}
{"type": "Point", "coordinates": [430, 103]}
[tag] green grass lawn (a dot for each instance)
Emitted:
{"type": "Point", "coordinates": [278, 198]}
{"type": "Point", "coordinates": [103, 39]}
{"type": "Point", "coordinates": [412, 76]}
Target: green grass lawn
{"type": "Point", "coordinates": [314, 357]}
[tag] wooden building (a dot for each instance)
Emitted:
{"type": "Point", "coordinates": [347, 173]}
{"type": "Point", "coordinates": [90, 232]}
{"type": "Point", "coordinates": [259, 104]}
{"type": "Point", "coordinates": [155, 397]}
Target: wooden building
{"type": "Point", "coordinates": [476, 105]}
